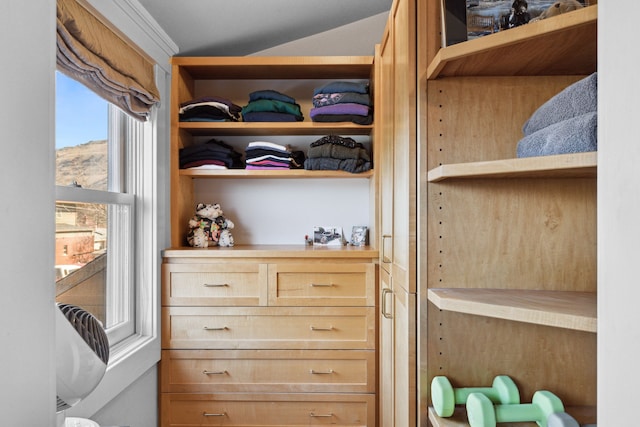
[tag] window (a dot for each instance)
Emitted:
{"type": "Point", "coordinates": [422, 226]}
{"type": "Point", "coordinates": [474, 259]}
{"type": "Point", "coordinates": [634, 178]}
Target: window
{"type": "Point", "coordinates": [96, 177]}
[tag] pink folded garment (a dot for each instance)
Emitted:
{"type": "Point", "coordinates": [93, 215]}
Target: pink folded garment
{"type": "Point", "coordinates": [267, 167]}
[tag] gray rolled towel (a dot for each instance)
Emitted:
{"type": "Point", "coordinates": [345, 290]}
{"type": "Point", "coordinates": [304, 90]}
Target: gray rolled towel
{"type": "Point", "coordinates": [575, 135]}
{"type": "Point", "coordinates": [579, 98]}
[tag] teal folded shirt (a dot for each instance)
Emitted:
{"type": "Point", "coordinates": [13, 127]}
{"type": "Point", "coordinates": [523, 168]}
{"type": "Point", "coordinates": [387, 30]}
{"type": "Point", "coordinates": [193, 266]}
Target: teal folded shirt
{"type": "Point", "coordinates": [274, 106]}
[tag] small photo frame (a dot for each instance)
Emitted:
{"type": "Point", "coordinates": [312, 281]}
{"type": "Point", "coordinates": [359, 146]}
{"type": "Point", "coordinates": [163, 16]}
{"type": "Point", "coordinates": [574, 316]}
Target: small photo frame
{"type": "Point", "coordinates": [327, 236]}
{"type": "Point", "coordinates": [454, 21]}
{"type": "Point", "coordinates": [359, 235]}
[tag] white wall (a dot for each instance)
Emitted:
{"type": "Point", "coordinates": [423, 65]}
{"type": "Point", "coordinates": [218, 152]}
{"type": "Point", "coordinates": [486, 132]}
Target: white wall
{"type": "Point", "coordinates": [618, 215]}
{"type": "Point", "coordinates": [136, 406]}
{"type": "Point", "coordinates": [27, 381]}
{"type": "Point", "coordinates": [357, 38]}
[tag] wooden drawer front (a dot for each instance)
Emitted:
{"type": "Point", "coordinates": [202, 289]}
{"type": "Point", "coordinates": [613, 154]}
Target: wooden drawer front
{"type": "Point", "coordinates": [322, 284]}
{"type": "Point", "coordinates": [214, 284]}
{"type": "Point", "coordinates": [268, 328]}
{"type": "Point", "coordinates": [182, 410]}
{"type": "Point", "coordinates": [193, 371]}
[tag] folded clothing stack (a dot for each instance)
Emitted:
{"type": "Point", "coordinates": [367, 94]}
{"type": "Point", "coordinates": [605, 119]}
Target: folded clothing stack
{"type": "Point", "coordinates": [566, 123]}
{"type": "Point", "coordinates": [333, 152]}
{"type": "Point", "coordinates": [271, 106]}
{"type": "Point", "coordinates": [261, 155]}
{"type": "Point", "coordinates": [209, 109]}
{"type": "Point", "coordinates": [213, 154]}
{"type": "Point", "coordinates": [341, 101]}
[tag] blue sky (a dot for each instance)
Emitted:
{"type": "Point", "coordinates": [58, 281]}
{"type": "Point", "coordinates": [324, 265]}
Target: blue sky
{"type": "Point", "coordinates": [81, 115]}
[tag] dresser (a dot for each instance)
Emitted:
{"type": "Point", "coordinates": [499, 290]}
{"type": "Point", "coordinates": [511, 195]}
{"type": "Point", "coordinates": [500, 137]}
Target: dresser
{"type": "Point", "coordinates": [268, 335]}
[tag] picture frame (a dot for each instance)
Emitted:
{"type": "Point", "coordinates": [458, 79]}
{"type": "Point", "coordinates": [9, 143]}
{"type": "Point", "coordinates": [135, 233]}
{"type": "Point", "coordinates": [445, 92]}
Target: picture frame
{"type": "Point", "coordinates": [327, 236]}
{"type": "Point", "coordinates": [454, 21]}
{"type": "Point", "coordinates": [359, 235]}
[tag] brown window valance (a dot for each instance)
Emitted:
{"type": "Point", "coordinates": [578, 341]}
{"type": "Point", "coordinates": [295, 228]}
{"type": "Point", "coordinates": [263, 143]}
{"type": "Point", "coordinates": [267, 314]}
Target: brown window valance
{"type": "Point", "coordinates": [91, 53]}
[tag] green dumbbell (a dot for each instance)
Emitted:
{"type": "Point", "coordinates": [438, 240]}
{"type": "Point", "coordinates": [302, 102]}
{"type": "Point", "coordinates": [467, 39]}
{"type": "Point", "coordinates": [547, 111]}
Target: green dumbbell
{"type": "Point", "coordinates": [483, 413]}
{"type": "Point", "coordinates": [444, 397]}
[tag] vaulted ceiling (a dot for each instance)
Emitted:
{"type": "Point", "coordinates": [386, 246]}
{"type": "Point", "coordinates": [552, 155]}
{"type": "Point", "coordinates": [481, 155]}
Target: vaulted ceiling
{"type": "Point", "coordinates": [242, 27]}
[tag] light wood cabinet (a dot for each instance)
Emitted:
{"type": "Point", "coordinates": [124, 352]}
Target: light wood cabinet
{"type": "Point", "coordinates": [508, 285]}
{"type": "Point", "coordinates": [271, 331]}
{"type": "Point", "coordinates": [257, 336]}
{"type": "Point", "coordinates": [396, 124]}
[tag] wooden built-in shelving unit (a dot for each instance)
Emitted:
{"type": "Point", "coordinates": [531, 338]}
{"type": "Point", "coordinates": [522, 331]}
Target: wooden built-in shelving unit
{"type": "Point", "coordinates": [268, 333]}
{"type": "Point", "coordinates": [510, 283]}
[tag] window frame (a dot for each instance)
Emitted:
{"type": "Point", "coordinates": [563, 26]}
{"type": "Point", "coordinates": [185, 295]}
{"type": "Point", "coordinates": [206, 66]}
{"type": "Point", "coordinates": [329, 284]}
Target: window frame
{"type": "Point", "coordinates": [124, 178]}
{"type": "Point", "coordinates": [120, 297]}
{"type": "Point", "coordinates": [132, 356]}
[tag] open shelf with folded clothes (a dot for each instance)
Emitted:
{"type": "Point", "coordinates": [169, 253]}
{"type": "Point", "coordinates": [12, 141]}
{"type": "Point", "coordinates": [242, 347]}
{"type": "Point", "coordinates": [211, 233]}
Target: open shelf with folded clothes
{"type": "Point", "coordinates": [238, 120]}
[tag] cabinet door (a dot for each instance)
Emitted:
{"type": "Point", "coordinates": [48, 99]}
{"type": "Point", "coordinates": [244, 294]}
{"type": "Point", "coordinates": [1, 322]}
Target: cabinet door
{"type": "Point", "coordinates": [386, 351]}
{"type": "Point", "coordinates": [404, 144]}
{"type": "Point", "coordinates": [404, 358]}
{"type": "Point", "coordinates": [397, 355]}
{"type": "Point", "coordinates": [398, 218]}
{"type": "Point", "coordinates": [385, 126]}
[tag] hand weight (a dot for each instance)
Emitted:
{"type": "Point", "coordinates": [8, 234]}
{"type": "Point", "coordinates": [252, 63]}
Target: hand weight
{"type": "Point", "coordinates": [444, 397]}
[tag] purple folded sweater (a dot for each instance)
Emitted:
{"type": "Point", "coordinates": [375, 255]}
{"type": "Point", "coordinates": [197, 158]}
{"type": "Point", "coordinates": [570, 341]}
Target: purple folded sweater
{"type": "Point", "coordinates": [347, 108]}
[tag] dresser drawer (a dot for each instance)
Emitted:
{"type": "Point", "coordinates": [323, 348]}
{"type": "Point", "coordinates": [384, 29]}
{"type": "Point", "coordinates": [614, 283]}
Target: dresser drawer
{"type": "Point", "coordinates": [321, 284]}
{"type": "Point", "coordinates": [182, 410]}
{"type": "Point", "coordinates": [215, 284]}
{"type": "Point", "coordinates": [281, 371]}
{"type": "Point", "coordinates": [268, 328]}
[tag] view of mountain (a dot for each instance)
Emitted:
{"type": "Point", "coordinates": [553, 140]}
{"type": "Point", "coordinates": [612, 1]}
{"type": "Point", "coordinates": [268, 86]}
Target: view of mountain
{"type": "Point", "coordinates": [85, 164]}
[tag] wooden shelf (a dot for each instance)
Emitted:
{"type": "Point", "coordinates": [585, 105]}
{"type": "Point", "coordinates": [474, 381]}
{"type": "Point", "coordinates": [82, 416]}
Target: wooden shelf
{"type": "Point", "coordinates": [583, 414]}
{"type": "Point", "coordinates": [561, 309]}
{"type": "Point", "coordinates": [579, 165]}
{"type": "Point", "coordinates": [272, 128]}
{"type": "Point", "coordinates": [261, 251]}
{"type": "Point", "coordinates": [276, 67]}
{"type": "Point", "coordinates": [565, 44]}
{"type": "Point", "coordinates": [275, 174]}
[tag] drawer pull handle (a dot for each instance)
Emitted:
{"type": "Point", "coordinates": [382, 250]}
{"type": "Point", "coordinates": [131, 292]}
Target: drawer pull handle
{"type": "Point", "coordinates": [329, 415]}
{"type": "Point", "coordinates": [385, 258]}
{"type": "Point", "coordinates": [209, 414]}
{"type": "Point", "coordinates": [314, 328]}
{"type": "Point", "coordinates": [208, 328]}
{"type": "Point", "coordinates": [214, 372]}
{"type": "Point", "coordinates": [383, 309]}
{"type": "Point", "coordinates": [320, 285]}
{"type": "Point", "coordinates": [313, 371]}
{"type": "Point", "coordinates": [215, 285]}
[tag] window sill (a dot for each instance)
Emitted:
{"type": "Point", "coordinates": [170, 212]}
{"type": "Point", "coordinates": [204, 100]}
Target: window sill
{"type": "Point", "coordinates": [128, 362]}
